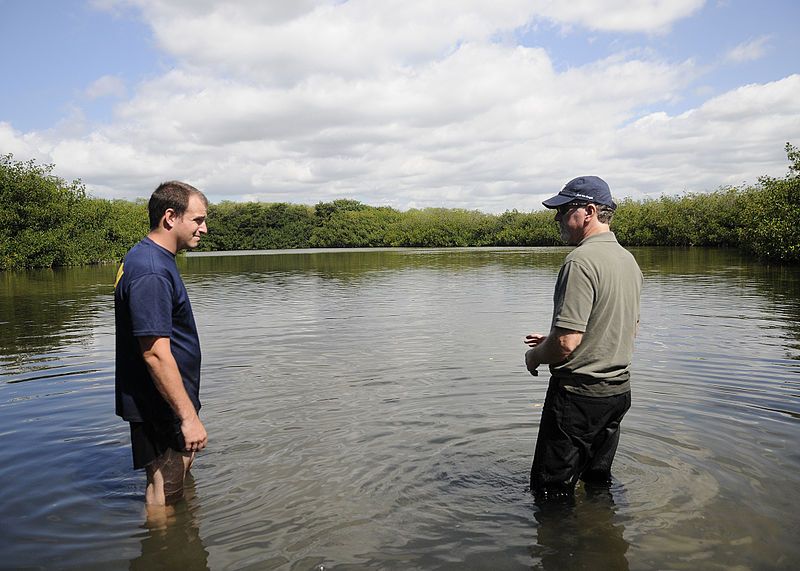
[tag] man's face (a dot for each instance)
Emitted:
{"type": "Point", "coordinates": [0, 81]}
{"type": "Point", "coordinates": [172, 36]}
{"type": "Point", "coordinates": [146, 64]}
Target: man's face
{"type": "Point", "coordinates": [571, 218]}
{"type": "Point", "coordinates": [190, 227]}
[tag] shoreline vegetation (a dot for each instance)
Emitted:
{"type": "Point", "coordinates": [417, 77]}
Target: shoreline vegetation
{"type": "Point", "coordinates": [47, 222]}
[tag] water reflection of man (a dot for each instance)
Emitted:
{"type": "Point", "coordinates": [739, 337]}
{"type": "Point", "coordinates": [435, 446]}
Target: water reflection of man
{"type": "Point", "coordinates": [580, 534]}
{"type": "Point", "coordinates": [589, 346]}
{"type": "Point", "coordinates": [173, 540]}
{"type": "Point", "coordinates": [157, 347]}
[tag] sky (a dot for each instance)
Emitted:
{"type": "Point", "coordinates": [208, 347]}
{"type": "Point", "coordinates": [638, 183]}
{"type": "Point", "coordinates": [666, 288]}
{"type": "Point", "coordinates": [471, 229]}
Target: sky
{"type": "Point", "coordinates": [475, 104]}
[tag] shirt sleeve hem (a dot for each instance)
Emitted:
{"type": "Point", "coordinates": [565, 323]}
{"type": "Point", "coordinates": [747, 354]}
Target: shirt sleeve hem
{"type": "Point", "coordinates": [147, 333]}
{"type": "Point", "coordinates": [573, 325]}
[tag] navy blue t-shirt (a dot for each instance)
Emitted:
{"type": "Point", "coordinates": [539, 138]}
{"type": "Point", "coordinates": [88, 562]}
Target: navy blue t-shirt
{"type": "Point", "coordinates": [150, 300]}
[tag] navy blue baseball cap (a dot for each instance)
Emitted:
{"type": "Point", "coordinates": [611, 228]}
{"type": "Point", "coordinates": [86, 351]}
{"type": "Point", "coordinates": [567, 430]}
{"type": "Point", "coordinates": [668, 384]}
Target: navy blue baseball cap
{"type": "Point", "coordinates": [583, 189]}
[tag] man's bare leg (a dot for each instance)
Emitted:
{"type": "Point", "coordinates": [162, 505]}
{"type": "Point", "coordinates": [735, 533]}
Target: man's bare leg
{"type": "Point", "coordinates": [165, 476]}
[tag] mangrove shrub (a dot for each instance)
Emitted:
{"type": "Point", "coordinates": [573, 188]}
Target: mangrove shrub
{"type": "Point", "coordinates": [45, 221]}
{"type": "Point", "coordinates": [769, 225]}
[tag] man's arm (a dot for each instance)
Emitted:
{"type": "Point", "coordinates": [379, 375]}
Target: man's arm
{"type": "Point", "coordinates": [163, 369]}
{"type": "Point", "coordinates": [552, 348]}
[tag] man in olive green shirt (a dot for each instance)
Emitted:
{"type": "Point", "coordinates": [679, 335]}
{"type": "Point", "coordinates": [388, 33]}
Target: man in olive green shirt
{"type": "Point", "coordinates": [589, 346]}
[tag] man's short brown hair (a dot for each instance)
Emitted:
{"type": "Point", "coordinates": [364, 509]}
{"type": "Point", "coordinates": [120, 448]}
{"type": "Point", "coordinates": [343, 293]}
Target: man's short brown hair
{"type": "Point", "coordinates": [172, 194]}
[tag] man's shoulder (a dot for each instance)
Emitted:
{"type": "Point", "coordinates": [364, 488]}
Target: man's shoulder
{"type": "Point", "coordinates": [146, 253]}
{"type": "Point", "coordinates": [601, 251]}
{"type": "Point", "coordinates": [599, 245]}
{"type": "Point", "coordinates": [585, 253]}
{"type": "Point", "coordinates": [145, 258]}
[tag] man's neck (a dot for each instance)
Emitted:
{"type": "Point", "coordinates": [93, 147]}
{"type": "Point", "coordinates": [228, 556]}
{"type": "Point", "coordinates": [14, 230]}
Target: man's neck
{"type": "Point", "coordinates": [164, 240]}
{"type": "Point", "coordinates": [595, 228]}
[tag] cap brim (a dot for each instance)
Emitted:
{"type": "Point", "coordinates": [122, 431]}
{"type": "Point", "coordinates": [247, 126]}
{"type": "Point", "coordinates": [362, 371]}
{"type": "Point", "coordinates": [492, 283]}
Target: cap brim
{"type": "Point", "coordinates": [557, 200]}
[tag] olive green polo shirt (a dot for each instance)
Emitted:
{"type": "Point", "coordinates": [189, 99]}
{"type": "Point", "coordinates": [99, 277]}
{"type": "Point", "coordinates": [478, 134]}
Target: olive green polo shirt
{"type": "Point", "coordinates": [597, 293]}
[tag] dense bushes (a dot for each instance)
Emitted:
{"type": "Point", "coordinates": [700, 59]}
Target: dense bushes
{"type": "Point", "coordinates": [758, 219]}
{"type": "Point", "coordinates": [350, 224]}
{"type": "Point", "coordinates": [46, 222]}
{"type": "Point", "coordinates": [527, 229]}
{"type": "Point", "coordinates": [34, 206]}
{"type": "Point", "coordinates": [769, 225]}
{"type": "Point", "coordinates": [712, 219]}
{"type": "Point", "coordinates": [256, 226]}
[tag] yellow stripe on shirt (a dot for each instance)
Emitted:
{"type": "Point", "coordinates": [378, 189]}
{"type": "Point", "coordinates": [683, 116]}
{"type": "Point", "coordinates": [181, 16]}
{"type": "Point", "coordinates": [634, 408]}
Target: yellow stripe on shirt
{"type": "Point", "coordinates": [119, 275]}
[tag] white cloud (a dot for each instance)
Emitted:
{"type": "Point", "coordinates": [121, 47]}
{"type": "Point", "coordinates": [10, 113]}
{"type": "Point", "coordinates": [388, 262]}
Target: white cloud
{"type": "Point", "coordinates": [106, 86]}
{"type": "Point", "coordinates": [720, 143]}
{"type": "Point", "coordinates": [751, 50]}
{"type": "Point", "coordinates": [283, 42]}
{"type": "Point", "coordinates": [413, 104]}
{"type": "Point", "coordinates": [619, 15]}
{"type": "Point", "coordinates": [22, 146]}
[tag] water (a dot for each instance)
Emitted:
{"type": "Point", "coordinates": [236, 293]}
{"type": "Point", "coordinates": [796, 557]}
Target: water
{"type": "Point", "coordinates": [371, 410]}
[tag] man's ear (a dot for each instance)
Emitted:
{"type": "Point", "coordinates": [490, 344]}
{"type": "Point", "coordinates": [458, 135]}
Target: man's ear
{"type": "Point", "coordinates": [591, 209]}
{"type": "Point", "coordinates": [169, 218]}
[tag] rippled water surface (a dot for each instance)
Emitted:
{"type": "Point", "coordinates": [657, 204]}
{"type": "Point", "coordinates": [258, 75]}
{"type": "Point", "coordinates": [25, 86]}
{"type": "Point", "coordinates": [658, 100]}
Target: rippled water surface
{"type": "Point", "coordinates": [370, 410]}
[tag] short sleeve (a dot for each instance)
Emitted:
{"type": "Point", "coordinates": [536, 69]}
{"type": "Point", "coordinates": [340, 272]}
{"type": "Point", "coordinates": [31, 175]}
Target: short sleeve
{"type": "Point", "coordinates": [150, 304]}
{"type": "Point", "coordinates": [574, 297]}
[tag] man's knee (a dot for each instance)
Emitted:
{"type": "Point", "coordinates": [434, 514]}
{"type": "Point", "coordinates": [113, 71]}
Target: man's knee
{"type": "Point", "coordinates": [166, 475]}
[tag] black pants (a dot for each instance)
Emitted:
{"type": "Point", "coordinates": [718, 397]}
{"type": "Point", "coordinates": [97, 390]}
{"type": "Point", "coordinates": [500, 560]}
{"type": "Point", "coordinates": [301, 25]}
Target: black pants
{"type": "Point", "coordinates": [149, 440]}
{"type": "Point", "coordinates": [578, 439]}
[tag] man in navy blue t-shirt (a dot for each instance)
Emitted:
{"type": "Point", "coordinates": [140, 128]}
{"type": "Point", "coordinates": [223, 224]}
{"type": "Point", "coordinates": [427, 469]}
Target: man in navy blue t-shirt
{"type": "Point", "coordinates": [158, 350]}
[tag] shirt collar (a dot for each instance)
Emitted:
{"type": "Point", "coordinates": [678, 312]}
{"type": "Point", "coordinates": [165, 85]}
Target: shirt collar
{"type": "Point", "coordinates": [602, 237]}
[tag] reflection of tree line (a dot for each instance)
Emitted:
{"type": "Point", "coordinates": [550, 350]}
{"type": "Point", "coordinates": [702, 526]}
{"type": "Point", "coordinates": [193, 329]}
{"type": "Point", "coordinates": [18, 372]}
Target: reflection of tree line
{"type": "Point", "coordinates": [345, 263]}
{"type": "Point", "coordinates": [777, 285]}
{"type": "Point", "coordinates": [37, 307]}
{"type": "Point", "coordinates": [781, 287]}
{"type": "Point", "coordinates": [40, 308]}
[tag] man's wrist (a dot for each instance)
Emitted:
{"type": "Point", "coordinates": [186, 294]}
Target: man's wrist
{"type": "Point", "coordinates": [188, 415]}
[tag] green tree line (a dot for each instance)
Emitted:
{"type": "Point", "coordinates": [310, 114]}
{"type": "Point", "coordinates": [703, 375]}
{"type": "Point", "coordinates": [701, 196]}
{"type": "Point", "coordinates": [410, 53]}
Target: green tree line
{"type": "Point", "coordinates": [46, 221]}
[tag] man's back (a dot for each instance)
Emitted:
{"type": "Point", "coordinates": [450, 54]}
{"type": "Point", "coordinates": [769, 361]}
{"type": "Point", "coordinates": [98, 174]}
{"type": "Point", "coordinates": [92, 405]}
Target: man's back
{"type": "Point", "coordinates": [598, 292]}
